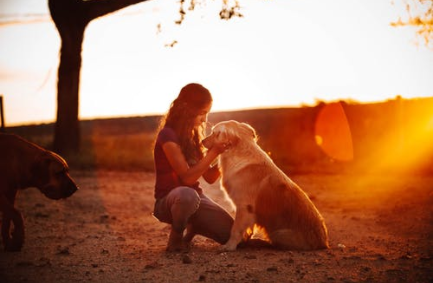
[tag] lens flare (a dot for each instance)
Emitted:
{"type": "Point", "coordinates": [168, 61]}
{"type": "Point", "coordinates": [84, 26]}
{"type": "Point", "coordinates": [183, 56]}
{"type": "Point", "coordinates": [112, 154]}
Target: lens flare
{"type": "Point", "coordinates": [332, 132]}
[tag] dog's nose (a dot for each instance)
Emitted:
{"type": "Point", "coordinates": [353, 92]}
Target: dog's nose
{"type": "Point", "coordinates": [72, 187]}
{"type": "Point", "coordinates": [71, 190]}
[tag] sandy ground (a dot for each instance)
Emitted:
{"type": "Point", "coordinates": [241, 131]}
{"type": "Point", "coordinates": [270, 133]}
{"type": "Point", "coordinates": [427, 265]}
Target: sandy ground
{"type": "Point", "coordinates": [380, 227]}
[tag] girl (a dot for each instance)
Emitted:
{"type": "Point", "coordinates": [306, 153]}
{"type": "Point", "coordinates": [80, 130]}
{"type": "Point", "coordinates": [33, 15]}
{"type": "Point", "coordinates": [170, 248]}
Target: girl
{"type": "Point", "coordinates": [180, 160]}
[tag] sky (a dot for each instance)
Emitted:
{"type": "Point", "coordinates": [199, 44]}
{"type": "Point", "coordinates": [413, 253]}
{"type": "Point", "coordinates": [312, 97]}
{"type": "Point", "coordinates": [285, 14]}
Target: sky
{"type": "Point", "coordinates": [282, 53]}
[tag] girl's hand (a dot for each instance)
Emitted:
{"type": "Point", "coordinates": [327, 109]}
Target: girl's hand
{"type": "Point", "coordinates": [212, 174]}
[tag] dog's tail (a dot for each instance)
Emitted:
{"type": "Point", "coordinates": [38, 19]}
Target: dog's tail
{"type": "Point", "coordinates": [295, 240]}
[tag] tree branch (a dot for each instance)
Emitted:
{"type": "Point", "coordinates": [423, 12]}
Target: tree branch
{"type": "Point", "coordinates": [83, 11]}
{"type": "Point", "coordinates": [98, 8]}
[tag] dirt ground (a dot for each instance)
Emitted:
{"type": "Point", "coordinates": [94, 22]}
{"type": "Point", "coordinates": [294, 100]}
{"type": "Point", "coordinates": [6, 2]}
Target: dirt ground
{"type": "Point", "coordinates": [380, 228]}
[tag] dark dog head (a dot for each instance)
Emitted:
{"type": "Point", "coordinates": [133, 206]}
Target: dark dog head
{"type": "Point", "coordinates": [230, 133]}
{"type": "Point", "coordinates": [51, 176]}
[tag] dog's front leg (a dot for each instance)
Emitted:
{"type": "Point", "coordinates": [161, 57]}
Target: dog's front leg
{"type": "Point", "coordinates": [12, 240]}
{"type": "Point", "coordinates": [243, 220]}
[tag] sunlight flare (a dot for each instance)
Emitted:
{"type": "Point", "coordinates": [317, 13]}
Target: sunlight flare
{"type": "Point", "coordinates": [332, 132]}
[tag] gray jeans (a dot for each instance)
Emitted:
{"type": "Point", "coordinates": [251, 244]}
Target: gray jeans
{"type": "Point", "coordinates": [184, 206]}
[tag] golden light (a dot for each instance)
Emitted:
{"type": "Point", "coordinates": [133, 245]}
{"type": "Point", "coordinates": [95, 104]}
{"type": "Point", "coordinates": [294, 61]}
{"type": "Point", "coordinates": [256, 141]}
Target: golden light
{"type": "Point", "coordinates": [411, 149]}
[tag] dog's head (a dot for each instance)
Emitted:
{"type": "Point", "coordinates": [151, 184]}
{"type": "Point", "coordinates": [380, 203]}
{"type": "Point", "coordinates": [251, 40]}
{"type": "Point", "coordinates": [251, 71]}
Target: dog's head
{"type": "Point", "coordinates": [50, 174]}
{"type": "Point", "coordinates": [230, 133]}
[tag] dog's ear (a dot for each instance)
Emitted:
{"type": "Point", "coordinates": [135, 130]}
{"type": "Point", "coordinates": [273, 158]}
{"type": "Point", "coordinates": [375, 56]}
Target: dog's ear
{"type": "Point", "coordinates": [58, 162]}
{"type": "Point", "coordinates": [40, 169]}
{"type": "Point", "coordinates": [250, 131]}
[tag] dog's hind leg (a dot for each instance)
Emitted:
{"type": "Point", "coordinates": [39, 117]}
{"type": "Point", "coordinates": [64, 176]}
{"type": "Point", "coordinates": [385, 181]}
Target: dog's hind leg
{"type": "Point", "coordinates": [289, 239]}
{"type": "Point", "coordinates": [244, 220]}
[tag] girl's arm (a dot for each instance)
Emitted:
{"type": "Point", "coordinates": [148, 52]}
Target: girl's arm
{"type": "Point", "coordinates": [189, 175]}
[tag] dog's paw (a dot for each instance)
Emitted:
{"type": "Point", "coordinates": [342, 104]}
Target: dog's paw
{"type": "Point", "coordinates": [227, 248]}
{"type": "Point", "coordinates": [13, 245]}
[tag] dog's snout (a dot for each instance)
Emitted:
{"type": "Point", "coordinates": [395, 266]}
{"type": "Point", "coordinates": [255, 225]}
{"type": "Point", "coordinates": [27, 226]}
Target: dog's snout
{"type": "Point", "coordinates": [71, 188]}
{"type": "Point", "coordinates": [206, 142]}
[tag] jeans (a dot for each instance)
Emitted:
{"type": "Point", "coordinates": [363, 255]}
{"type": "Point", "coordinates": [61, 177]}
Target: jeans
{"type": "Point", "coordinates": [185, 206]}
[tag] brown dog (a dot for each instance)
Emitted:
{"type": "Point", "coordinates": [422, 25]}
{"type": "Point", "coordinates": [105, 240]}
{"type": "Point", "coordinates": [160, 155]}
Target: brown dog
{"type": "Point", "coordinates": [263, 195]}
{"type": "Point", "coordinates": [23, 165]}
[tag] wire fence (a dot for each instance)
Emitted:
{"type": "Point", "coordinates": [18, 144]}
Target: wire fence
{"type": "Point", "coordinates": [2, 119]}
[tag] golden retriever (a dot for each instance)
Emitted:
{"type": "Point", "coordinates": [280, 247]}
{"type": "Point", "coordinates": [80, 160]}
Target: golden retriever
{"type": "Point", "coordinates": [263, 195]}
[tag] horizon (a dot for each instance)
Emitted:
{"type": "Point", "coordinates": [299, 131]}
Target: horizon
{"type": "Point", "coordinates": [276, 107]}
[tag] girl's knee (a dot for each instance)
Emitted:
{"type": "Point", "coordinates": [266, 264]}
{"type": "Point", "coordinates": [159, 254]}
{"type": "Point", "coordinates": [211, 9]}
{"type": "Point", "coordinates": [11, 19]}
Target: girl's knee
{"type": "Point", "coordinates": [187, 196]}
{"type": "Point", "coordinates": [185, 201]}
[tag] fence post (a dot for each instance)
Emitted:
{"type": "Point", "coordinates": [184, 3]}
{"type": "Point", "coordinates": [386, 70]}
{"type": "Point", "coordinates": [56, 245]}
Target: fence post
{"type": "Point", "coordinates": [2, 128]}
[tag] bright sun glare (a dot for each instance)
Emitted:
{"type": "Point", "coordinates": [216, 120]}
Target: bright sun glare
{"type": "Point", "coordinates": [404, 145]}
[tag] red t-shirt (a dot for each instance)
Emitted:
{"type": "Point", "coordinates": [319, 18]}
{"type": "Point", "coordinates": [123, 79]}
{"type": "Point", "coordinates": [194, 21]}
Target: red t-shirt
{"type": "Point", "coordinates": [166, 177]}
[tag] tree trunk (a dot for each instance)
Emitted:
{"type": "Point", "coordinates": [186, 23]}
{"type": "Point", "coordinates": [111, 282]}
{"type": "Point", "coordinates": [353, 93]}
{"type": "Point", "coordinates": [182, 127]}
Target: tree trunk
{"type": "Point", "coordinates": [71, 23]}
{"type": "Point", "coordinates": [67, 130]}
{"type": "Point", "coordinates": [71, 18]}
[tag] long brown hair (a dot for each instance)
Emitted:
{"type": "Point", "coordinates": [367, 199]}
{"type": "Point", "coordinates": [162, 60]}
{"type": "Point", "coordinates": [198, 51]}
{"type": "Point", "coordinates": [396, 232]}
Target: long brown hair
{"type": "Point", "coordinates": [181, 116]}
